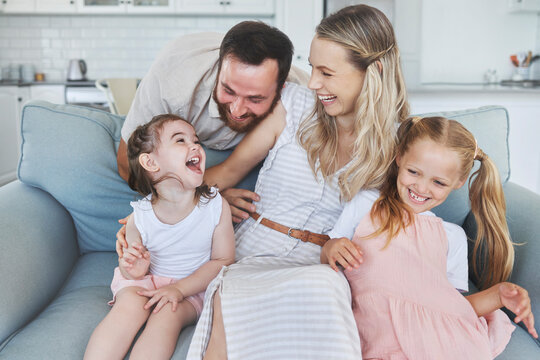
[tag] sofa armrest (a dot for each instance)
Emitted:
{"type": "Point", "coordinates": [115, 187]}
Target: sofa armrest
{"type": "Point", "coordinates": [522, 210]}
{"type": "Point", "coordinates": [38, 250]}
{"type": "Point", "coordinates": [522, 213]}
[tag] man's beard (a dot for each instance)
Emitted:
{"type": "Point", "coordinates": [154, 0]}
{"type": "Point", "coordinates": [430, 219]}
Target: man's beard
{"type": "Point", "coordinates": [250, 120]}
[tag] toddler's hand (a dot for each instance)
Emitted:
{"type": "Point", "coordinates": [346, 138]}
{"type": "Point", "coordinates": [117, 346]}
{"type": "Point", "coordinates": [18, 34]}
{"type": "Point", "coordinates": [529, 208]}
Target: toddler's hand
{"type": "Point", "coordinates": [162, 296]}
{"type": "Point", "coordinates": [344, 252]}
{"type": "Point", "coordinates": [516, 299]}
{"type": "Point", "coordinates": [133, 253]}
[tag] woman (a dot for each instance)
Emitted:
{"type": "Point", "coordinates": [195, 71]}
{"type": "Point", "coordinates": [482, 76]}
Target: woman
{"type": "Point", "coordinates": [276, 302]}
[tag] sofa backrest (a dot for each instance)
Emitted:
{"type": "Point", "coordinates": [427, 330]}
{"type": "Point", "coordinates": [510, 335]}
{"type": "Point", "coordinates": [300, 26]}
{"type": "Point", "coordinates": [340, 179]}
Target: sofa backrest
{"type": "Point", "coordinates": [70, 152]}
{"type": "Point", "coordinates": [490, 126]}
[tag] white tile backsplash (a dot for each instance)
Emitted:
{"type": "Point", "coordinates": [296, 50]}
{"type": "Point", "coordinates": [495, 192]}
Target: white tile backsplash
{"type": "Point", "coordinates": [111, 45]}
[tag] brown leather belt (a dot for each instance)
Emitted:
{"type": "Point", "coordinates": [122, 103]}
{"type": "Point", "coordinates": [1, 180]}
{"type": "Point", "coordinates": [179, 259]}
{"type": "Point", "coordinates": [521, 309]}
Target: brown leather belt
{"type": "Point", "coordinates": [304, 235]}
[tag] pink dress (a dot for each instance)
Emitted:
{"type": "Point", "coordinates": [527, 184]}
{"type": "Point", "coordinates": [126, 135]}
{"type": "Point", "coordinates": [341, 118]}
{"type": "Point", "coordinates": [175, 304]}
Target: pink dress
{"type": "Point", "coordinates": [405, 307]}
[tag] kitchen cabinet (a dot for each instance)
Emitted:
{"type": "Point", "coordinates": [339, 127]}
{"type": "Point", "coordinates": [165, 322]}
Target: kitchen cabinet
{"type": "Point", "coordinates": [298, 19]}
{"type": "Point", "coordinates": [221, 7]}
{"type": "Point", "coordinates": [18, 6]}
{"type": "Point", "coordinates": [521, 6]}
{"type": "Point", "coordinates": [56, 6]}
{"type": "Point", "coordinates": [125, 6]}
{"type": "Point", "coordinates": [11, 100]}
{"type": "Point", "coordinates": [51, 93]}
{"type": "Point", "coordinates": [39, 6]}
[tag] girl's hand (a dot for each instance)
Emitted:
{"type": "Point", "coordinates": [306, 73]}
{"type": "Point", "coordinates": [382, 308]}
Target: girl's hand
{"type": "Point", "coordinates": [121, 242]}
{"type": "Point", "coordinates": [133, 253]}
{"type": "Point", "coordinates": [516, 299]}
{"type": "Point", "coordinates": [342, 252]}
{"type": "Point", "coordinates": [162, 296]}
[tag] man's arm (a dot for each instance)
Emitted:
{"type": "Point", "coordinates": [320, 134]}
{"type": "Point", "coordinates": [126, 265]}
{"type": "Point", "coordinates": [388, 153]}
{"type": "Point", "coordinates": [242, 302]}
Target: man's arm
{"type": "Point", "coordinates": [122, 161]}
{"type": "Point", "coordinates": [250, 151]}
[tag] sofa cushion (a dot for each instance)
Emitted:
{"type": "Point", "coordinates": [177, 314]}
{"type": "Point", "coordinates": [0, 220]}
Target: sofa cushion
{"type": "Point", "coordinates": [70, 152]}
{"type": "Point", "coordinates": [71, 318]}
{"type": "Point", "coordinates": [490, 126]}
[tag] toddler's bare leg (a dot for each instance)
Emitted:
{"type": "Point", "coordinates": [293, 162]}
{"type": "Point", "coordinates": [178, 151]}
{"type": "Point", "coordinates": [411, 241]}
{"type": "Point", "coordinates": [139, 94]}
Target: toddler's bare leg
{"type": "Point", "coordinates": [159, 337]}
{"type": "Point", "coordinates": [113, 336]}
{"type": "Point", "coordinates": [217, 345]}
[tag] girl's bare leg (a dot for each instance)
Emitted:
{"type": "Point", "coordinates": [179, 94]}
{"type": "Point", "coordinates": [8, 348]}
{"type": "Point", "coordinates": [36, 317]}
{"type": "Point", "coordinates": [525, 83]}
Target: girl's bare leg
{"type": "Point", "coordinates": [159, 337]}
{"type": "Point", "coordinates": [217, 345]}
{"type": "Point", "coordinates": [113, 336]}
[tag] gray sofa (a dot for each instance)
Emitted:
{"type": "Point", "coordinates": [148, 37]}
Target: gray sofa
{"type": "Point", "coordinates": [58, 225]}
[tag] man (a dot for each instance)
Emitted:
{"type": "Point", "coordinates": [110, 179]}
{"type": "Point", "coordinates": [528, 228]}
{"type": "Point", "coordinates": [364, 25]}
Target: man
{"type": "Point", "coordinates": [224, 86]}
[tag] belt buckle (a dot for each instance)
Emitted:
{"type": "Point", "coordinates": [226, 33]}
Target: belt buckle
{"type": "Point", "coordinates": [291, 230]}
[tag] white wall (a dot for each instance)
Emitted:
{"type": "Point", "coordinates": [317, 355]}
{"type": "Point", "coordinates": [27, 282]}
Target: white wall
{"type": "Point", "coordinates": [113, 46]}
{"type": "Point", "coordinates": [462, 39]}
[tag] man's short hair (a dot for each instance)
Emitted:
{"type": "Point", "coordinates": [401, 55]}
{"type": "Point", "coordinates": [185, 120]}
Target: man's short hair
{"type": "Point", "coordinates": [252, 42]}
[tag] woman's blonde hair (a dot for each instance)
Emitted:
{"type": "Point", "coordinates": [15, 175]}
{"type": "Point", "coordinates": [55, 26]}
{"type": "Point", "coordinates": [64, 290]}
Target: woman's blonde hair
{"type": "Point", "coordinates": [369, 39]}
{"type": "Point", "coordinates": [492, 246]}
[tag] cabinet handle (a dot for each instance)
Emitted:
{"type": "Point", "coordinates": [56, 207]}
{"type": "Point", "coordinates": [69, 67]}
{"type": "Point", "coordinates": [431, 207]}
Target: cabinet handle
{"type": "Point", "coordinates": [227, 3]}
{"type": "Point", "coordinates": [19, 99]}
{"type": "Point", "coordinates": [222, 3]}
{"type": "Point", "coordinates": [72, 2]}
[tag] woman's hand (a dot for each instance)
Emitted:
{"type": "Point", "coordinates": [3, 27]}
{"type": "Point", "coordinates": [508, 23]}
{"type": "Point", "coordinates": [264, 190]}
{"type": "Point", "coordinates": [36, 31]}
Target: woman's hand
{"type": "Point", "coordinates": [342, 252]}
{"type": "Point", "coordinates": [240, 201]}
{"type": "Point", "coordinates": [162, 296]}
{"type": "Point", "coordinates": [516, 299]}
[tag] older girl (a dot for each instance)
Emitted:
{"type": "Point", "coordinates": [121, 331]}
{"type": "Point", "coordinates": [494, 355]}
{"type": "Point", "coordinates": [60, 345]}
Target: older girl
{"type": "Point", "coordinates": [405, 300]}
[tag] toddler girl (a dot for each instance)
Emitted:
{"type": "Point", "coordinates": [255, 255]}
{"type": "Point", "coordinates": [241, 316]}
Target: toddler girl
{"type": "Point", "coordinates": [404, 292]}
{"type": "Point", "coordinates": [180, 235]}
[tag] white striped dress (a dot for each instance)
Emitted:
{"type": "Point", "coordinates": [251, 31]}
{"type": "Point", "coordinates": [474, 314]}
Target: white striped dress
{"type": "Point", "coordinates": [278, 301]}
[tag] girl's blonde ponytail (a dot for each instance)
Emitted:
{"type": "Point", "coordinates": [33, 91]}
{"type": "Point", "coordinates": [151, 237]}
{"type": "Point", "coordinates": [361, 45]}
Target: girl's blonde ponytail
{"type": "Point", "coordinates": [492, 247]}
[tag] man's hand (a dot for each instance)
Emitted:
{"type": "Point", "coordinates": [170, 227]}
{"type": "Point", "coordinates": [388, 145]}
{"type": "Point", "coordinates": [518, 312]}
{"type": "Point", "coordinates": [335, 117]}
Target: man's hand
{"type": "Point", "coordinates": [240, 201]}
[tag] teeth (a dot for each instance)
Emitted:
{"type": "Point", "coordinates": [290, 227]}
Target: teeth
{"type": "Point", "coordinates": [194, 160]}
{"type": "Point", "coordinates": [417, 197]}
{"type": "Point", "coordinates": [325, 98]}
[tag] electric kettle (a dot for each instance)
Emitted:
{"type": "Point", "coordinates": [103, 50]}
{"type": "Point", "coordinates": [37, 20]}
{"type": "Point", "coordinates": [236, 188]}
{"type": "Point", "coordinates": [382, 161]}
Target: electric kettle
{"type": "Point", "coordinates": [76, 70]}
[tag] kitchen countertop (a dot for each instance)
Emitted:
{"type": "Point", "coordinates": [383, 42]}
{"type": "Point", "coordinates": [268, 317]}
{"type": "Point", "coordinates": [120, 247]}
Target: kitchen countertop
{"type": "Point", "coordinates": [32, 83]}
{"type": "Point", "coordinates": [423, 88]}
{"type": "Point", "coordinates": [473, 87]}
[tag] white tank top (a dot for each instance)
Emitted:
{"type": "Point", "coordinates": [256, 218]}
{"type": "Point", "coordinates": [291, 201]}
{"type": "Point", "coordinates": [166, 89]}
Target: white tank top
{"type": "Point", "coordinates": [176, 251]}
